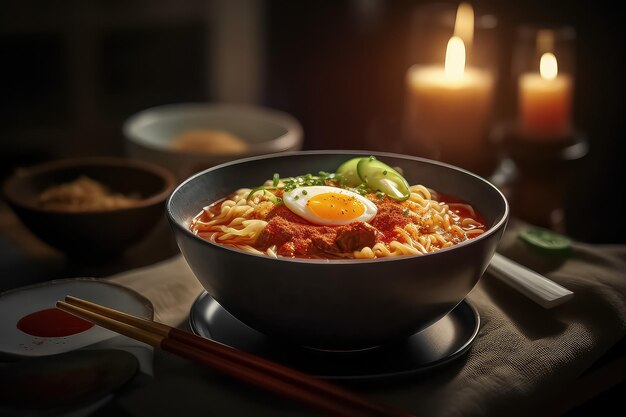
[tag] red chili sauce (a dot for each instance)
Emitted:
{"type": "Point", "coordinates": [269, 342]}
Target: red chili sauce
{"type": "Point", "coordinates": [52, 322]}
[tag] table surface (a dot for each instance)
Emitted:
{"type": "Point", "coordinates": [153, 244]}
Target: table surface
{"type": "Point", "coordinates": [25, 260]}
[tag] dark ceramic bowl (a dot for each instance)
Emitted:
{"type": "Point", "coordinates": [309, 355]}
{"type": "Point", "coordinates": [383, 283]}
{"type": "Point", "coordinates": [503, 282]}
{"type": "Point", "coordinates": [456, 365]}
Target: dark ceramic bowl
{"type": "Point", "coordinates": [91, 234]}
{"type": "Point", "coordinates": [336, 304]}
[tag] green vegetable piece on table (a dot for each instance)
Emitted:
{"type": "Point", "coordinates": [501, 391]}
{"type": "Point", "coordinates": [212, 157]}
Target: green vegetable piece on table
{"type": "Point", "coordinates": [545, 240]}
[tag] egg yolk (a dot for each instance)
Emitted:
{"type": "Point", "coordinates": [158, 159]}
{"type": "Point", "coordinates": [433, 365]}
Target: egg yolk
{"type": "Point", "coordinates": [335, 206]}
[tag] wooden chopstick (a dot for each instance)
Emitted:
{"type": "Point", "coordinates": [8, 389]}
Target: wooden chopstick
{"type": "Point", "coordinates": [241, 365]}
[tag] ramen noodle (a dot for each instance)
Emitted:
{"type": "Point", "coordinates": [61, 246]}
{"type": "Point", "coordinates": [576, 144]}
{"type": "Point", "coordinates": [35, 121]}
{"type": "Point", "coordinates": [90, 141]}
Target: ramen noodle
{"type": "Point", "coordinates": [83, 193]}
{"type": "Point", "coordinates": [316, 222]}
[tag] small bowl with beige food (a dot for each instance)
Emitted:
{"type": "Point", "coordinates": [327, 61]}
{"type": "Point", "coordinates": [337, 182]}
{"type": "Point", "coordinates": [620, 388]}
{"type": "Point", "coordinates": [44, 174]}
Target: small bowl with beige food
{"type": "Point", "coordinates": [90, 207]}
{"type": "Point", "coordinates": [189, 137]}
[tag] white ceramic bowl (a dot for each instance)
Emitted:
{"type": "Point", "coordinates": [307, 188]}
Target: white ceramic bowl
{"type": "Point", "coordinates": [149, 133]}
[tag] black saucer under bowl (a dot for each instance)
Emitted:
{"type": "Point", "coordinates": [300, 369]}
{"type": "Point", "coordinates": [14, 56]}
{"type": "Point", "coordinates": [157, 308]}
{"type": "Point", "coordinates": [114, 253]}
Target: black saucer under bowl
{"type": "Point", "coordinates": [442, 342]}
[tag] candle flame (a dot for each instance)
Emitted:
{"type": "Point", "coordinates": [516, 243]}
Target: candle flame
{"type": "Point", "coordinates": [548, 67]}
{"type": "Point", "coordinates": [455, 58]}
{"type": "Point", "coordinates": [464, 23]}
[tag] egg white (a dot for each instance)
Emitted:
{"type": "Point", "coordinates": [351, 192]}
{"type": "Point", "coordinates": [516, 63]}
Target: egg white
{"type": "Point", "coordinates": [299, 205]}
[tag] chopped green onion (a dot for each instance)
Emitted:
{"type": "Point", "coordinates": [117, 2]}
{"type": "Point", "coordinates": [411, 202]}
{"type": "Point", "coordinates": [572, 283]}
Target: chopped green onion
{"type": "Point", "coordinates": [265, 189]}
{"type": "Point", "coordinates": [254, 191]}
{"type": "Point", "coordinates": [362, 189]}
{"type": "Point", "coordinates": [275, 179]}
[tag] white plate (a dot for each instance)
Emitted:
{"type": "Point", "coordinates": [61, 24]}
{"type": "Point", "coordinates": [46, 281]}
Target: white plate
{"type": "Point", "coordinates": [20, 302]}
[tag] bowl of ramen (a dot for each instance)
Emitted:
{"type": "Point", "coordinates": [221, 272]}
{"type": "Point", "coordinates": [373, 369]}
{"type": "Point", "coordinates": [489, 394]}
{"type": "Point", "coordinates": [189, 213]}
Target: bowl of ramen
{"type": "Point", "coordinates": [90, 207]}
{"type": "Point", "coordinates": [190, 137]}
{"type": "Point", "coordinates": [337, 249]}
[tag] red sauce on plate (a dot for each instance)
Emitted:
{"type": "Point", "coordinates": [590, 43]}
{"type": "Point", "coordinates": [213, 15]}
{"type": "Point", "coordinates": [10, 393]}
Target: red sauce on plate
{"type": "Point", "coordinates": [52, 322]}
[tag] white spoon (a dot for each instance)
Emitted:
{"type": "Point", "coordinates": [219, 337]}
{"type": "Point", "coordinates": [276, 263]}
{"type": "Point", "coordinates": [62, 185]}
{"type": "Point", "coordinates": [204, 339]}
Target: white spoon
{"type": "Point", "coordinates": [538, 288]}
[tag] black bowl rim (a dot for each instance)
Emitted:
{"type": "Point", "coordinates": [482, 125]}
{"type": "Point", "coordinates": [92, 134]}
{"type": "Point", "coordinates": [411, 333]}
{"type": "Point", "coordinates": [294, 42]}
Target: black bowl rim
{"type": "Point", "coordinates": [114, 162]}
{"type": "Point", "coordinates": [494, 229]}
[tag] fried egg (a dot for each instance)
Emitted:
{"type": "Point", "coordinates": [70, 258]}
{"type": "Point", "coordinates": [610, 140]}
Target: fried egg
{"type": "Point", "coordinates": [329, 206]}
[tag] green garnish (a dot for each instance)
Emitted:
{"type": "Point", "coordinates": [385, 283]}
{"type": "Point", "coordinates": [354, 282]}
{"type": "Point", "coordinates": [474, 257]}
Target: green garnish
{"type": "Point", "coordinates": [362, 189]}
{"type": "Point", "coordinates": [307, 180]}
{"type": "Point", "coordinates": [271, 197]}
{"type": "Point", "coordinates": [347, 173]}
{"type": "Point", "coordinates": [381, 177]}
{"type": "Point", "coordinates": [256, 190]}
{"type": "Point", "coordinates": [292, 183]}
{"type": "Point", "coordinates": [370, 174]}
{"type": "Point", "coordinates": [362, 175]}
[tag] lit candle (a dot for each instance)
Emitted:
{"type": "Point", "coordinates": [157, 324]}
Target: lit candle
{"type": "Point", "coordinates": [545, 102]}
{"type": "Point", "coordinates": [464, 24]}
{"type": "Point", "coordinates": [449, 107]}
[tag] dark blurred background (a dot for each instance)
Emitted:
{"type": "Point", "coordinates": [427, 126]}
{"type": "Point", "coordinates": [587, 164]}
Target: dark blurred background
{"type": "Point", "coordinates": [73, 71]}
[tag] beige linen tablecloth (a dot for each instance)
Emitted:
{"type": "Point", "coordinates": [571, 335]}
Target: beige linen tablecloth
{"type": "Point", "coordinates": [523, 356]}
